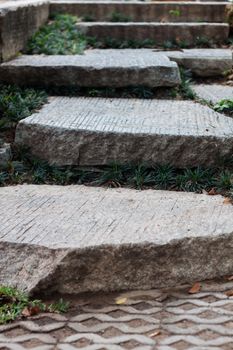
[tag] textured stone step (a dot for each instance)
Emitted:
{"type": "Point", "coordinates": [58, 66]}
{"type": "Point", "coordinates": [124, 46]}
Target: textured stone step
{"type": "Point", "coordinates": [97, 68]}
{"type": "Point", "coordinates": [97, 131]}
{"type": "Point", "coordinates": [75, 239]}
{"type": "Point", "coordinates": [203, 62]}
{"type": "Point", "coordinates": [137, 11]}
{"type": "Point", "coordinates": [214, 92]}
{"type": "Point", "coordinates": [19, 20]}
{"type": "Point", "coordinates": [160, 33]}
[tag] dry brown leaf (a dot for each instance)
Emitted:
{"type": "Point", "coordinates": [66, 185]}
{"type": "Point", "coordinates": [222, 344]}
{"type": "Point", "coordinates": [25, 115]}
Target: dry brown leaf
{"type": "Point", "coordinates": [30, 311]}
{"type": "Point", "coordinates": [229, 293]}
{"type": "Point", "coordinates": [212, 192]}
{"type": "Point", "coordinates": [155, 334]}
{"type": "Point", "coordinates": [121, 301]}
{"type": "Point", "coordinates": [227, 201]}
{"type": "Point", "coordinates": [230, 278]}
{"type": "Point", "coordinates": [195, 288]}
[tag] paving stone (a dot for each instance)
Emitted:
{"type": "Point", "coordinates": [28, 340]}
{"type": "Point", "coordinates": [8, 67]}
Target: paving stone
{"type": "Point", "coordinates": [75, 239]}
{"type": "Point", "coordinates": [97, 68]}
{"type": "Point", "coordinates": [160, 33]}
{"type": "Point", "coordinates": [99, 131]}
{"type": "Point", "coordinates": [158, 11]}
{"type": "Point", "coordinates": [5, 154]}
{"type": "Point", "coordinates": [214, 92]}
{"type": "Point", "coordinates": [19, 20]}
{"type": "Point", "coordinates": [203, 62]}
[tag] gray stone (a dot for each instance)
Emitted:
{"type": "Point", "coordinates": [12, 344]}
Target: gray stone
{"type": "Point", "coordinates": [138, 11]}
{"type": "Point", "coordinates": [213, 93]}
{"type": "Point", "coordinates": [76, 239]}
{"type": "Point", "coordinates": [203, 62]}
{"type": "Point", "coordinates": [96, 68]}
{"type": "Point", "coordinates": [5, 154]}
{"type": "Point", "coordinates": [160, 33]}
{"type": "Point", "coordinates": [19, 20]}
{"type": "Point", "coordinates": [98, 131]}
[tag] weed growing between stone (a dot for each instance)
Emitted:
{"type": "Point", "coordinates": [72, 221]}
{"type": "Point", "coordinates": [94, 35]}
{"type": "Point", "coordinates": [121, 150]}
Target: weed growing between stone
{"type": "Point", "coordinates": [224, 106]}
{"type": "Point", "coordinates": [15, 304]}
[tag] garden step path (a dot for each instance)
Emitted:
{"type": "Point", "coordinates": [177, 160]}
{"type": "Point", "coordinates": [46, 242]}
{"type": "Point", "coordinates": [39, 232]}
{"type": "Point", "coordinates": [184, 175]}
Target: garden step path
{"type": "Point", "coordinates": [213, 93]}
{"type": "Point", "coordinates": [160, 33]}
{"type": "Point", "coordinates": [99, 131]}
{"type": "Point", "coordinates": [75, 239]}
{"type": "Point", "coordinates": [159, 11]}
{"type": "Point", "coordinates": [96, 68]}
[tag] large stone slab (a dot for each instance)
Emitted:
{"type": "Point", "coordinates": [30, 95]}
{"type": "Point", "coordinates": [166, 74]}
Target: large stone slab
{"type": "Point", "coordinates": [213, 93]}
{"type": "Point", "coordinates": [75, 239]}
{"type": "Point", "coordinates": [98, 131]}
{"type": "Point", "coordinates": [19, 20]}
{"type": "Point", "coordinates": [203, 62]}
{"type": "Point", "coordinates": [160, 33]}
{"type": "Point", "coordinates": [96, 68]}
{"type": "Point", "coordinates": [138, 11]}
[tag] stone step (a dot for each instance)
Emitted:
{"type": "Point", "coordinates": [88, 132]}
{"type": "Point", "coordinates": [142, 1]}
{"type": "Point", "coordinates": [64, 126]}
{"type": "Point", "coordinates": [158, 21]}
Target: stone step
{"type": "Point", "coordinates": [97, 131]}
{"type": "Point", "coordinates": [189, 33]}
{"type": "Point", "coordinates": [213, 93]}
{"type": "Point", "coordinates": [138, 11]}
{"type": "Point", "coordinates": [97, 68]}
{"type": "Point", "coordinates": [77, 239]}
{"type": "Point", "coordinates": [19, 20]}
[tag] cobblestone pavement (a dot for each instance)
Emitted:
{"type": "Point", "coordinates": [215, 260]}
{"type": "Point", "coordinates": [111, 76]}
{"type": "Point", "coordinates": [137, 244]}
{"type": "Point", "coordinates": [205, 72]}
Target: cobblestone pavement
{"type": "Point", "coordinates": [142, 320]}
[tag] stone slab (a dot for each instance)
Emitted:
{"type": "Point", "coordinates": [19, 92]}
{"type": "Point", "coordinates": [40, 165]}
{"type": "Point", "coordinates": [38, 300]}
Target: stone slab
{"type": "Point", "coordinates": [190, 33]}
{"type": "Point", "coordinates": [19, 20]}
{"type": "Point", "coordinates": [158, 11]}
{"type": "Point", "coordinates": [203, 62]}
{"type": "Point", "coordinates": [213, 93]}
{"type": "Point", "coordinates": [96, 68]}
{"type": "Point", "coordinates": [5, 154]}
{"type": "Point", "coordinates": [98, 131]}
{"type": "Point", "coordinates": [76, 239]}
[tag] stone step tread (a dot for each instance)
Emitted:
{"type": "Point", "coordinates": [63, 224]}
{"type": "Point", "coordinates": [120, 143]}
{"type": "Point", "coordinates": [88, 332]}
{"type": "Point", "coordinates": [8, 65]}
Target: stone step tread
{"type": "Point", "coordinates": [96, 68]}
{"type": "Point", "coordinates": [98, 131]}
{"type": "Point", "coordinates": [146, 11]}
{"type": "Point", "coordinates": [160, 33]}
{"type": "Point", "coordinates": [213, 92]}
{"type": "Point", "coordinates": [109, 236]}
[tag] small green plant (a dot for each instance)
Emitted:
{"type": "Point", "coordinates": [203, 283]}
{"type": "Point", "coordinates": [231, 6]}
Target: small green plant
{"type": "Point", "coordinates": [15, 304]}
{"type": "Point", "coordinates": [175, 13]}
{"type": "Point", "coordinates": [88, 18]}
{"type": "Point", "coordinates": [224, 106]}
{"type": "Point", "coordinates": [18, 103]}
{"type": "Point", "coordinates": [185, 87]}
{"type": "Point", "coordinates": [59, 37]}
{"type": "Point", "coordinates": [120, 17]}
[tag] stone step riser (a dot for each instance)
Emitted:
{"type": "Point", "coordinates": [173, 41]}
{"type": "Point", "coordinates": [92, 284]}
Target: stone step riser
{"type": "Point", "coordinates": [18, 22]}
{"type": "Point", "coordinates": [189, 34]}
{"type": "Point", "coordinates": [145, 12]}
{"type": "Point", "coordinates": [95, 131]}
{"type": "Point", "coordinates": [97, 68]}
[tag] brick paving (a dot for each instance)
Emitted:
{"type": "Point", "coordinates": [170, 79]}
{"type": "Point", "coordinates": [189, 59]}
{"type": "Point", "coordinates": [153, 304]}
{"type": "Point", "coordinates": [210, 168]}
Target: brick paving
{"type": "Point", "coordinates": [146, 320]}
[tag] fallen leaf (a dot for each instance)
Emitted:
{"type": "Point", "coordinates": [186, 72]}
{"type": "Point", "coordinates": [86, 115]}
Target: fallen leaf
{"type": "Point", "coordinates": [195, 288]}
{"type": "Point", "coordinates": [229, 293]}
{"type": "Point", "coordinates": [30, 311]}
{"type": "Point", "coordinates": [121, 301]}
{"type": "Point", "coordinates": [227, 201]}
{"type": "Point", "coordinates": [155, 333]}
{"type": "Point", "coordinates": [230, 278]}
{"type": "Point", "coordinates": [212, 192]}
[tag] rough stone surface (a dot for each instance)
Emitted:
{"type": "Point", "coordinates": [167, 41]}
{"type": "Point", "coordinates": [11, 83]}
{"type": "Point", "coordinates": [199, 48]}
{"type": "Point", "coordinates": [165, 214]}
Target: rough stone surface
{"type": "Point", "coordinates": [98, 131]}
{"type": "Point", "coordinates": [189, 33]}
{"type": "Point", "coordinates": [19, 20]}
{"type": "Point", "coordinates": [214, 92]}
{"type": "Point", "coordinates": [168, 319]}
{"type": "Point", "coordinates": [74, 239]}
{"type": "Point", "coordinates": [5, 154]}
{"type": "Point", "coordinates": [158, 11]}
{"type": "Point", "coordinates": [96, 68]}
{"type": "Point", "coordinates": [203, 62]}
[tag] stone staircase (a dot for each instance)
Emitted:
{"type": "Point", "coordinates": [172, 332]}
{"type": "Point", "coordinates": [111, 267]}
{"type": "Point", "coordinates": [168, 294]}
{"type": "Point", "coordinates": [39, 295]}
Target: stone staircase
{"type": "Point", "coordinates": [79, 239]}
